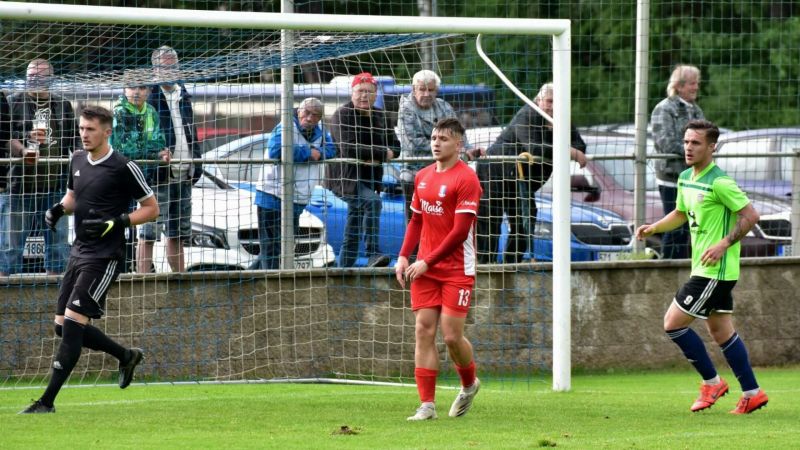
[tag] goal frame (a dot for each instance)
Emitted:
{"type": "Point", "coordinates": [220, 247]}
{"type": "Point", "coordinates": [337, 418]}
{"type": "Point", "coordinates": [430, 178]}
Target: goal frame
{"type": "Point", "coordinates": [559, 29]}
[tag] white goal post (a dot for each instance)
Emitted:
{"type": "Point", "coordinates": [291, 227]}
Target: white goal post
{"type": "Point", "coordinates": [558, 28]}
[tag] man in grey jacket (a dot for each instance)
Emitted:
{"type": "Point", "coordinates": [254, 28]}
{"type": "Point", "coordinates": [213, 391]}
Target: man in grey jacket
{"type": "Point", "coordinates": [668, 119]}
{"type": "Point", "coordinates": [419, 111]}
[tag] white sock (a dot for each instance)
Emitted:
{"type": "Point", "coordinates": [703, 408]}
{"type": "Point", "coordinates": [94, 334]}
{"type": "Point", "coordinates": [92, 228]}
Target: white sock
{"type": "Point", "coordinates": [713, 381]}
{"type": "Point", "coordinates": [751, 392]}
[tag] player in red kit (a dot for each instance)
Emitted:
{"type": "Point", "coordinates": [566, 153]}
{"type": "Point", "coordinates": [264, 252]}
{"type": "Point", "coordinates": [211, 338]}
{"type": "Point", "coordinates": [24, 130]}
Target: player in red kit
{"type": "Point", "coordinates": [444, 207]}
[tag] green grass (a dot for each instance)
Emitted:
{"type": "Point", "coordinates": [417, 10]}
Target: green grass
{"type": "Point", "coordinates": [648, 410]}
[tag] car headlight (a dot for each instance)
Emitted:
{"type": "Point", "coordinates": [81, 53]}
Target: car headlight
{"type": "Point", "coordinates": [543, 230]}
{"type": "Point", "coordinates": [205, 236]}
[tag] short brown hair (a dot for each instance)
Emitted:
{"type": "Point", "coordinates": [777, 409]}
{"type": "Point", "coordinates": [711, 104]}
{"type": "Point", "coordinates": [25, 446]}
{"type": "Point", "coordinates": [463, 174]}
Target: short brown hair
{"type": "Point", "coordinates": [103, 115]}
{"type": "Point", "coordinates": [712, 132]}
{"type": "Point", "coordinates": [452, 125]}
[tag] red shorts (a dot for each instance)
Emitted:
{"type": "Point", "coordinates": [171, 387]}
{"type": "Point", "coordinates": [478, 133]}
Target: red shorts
{"type": "Point", "coordinates": [452, 298]}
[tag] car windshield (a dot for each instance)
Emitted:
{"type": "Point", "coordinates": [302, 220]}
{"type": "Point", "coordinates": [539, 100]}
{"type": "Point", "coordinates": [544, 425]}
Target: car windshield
{"type": "Point", "coordinates": [247, 172]}
{"type": "Point", "coordinates": [759, 168]}
{"type": "Point", "coordinates": [622, 170]}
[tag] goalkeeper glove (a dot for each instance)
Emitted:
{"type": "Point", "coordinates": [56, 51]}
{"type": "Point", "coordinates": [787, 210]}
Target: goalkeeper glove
{"type": "Point", "coordinates": [93, 229]}
{"type": "Point", "coordinates": [52, 215]}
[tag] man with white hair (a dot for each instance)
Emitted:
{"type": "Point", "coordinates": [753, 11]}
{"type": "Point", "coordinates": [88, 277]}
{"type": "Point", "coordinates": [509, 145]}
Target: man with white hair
{"type": "Point", "coordinates": [668, 119]}
{"type": "Point", "coordinates": [173, 104]}
{"type": "Point", "coordinates": [419, 111]}
{"type": "Point", "coordinates": [510, 187]}
{"type": "Point", "coordinates": [311, 145]}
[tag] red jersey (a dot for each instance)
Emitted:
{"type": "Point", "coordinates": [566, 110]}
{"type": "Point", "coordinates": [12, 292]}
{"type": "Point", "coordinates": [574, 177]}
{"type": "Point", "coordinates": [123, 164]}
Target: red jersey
{"type": "Point", "coordinates": [438, 197]}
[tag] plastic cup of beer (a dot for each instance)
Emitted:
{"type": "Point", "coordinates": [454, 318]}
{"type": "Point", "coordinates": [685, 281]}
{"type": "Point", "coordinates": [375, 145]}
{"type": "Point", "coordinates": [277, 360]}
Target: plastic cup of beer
{"type": "Point", "coordinates": [31, 151]}
{"type": "Point", "coordinates": [40, 127]}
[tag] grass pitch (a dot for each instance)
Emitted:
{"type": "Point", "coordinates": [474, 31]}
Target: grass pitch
{"type": "Point", "coordinates": [648, 410]}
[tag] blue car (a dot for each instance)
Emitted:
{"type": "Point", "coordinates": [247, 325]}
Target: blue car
{"type": "Point", "coordinates": [597, 234]}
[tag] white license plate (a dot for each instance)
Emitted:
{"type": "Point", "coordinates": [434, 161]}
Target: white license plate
{"type": "Point", "coordinates": [302, 264]}
{"type": "Point", "coordinates": [34, 248]}
{"type": "Point", "coordinates": [785, 250]}
{"type": "Point", "coordinates": [607, 256]}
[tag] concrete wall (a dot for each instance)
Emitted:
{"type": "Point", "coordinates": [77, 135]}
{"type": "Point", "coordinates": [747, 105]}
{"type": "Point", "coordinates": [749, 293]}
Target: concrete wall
{"type": "Point", "coordinates": [233, 325]}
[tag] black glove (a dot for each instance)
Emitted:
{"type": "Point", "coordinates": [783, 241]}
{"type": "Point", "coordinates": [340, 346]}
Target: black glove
{"type": "Point", "coordinates": [52, 215]}
{"type": "Point", "coordinates": [93, 229]}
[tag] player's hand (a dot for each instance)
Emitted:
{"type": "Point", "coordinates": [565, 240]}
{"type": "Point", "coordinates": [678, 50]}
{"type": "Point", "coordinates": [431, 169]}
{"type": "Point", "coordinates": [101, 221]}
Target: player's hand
{"type": "Point", "coordinates": [52, 215]}
{"type": "Point", "coordinates": [94, 229]}
{"type": "Point", "coordinates": [644, 231]}
{"type": "Point", "coordinates": [400, 270]}
{"type": "Point", "coordinates": [713, 254]}
{"type": "Point", "coordinates": [416, 270]}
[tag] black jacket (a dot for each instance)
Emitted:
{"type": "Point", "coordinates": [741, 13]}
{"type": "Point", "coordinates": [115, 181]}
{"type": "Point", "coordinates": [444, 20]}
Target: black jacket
{"type": "Point", "coordinates": [65, 140]}
{"type": "Point", "coordinates": [364, 137]}
{"type": "Point", "coordinates": [527, 132]}
{"type": "Point", "coordinates": [159, 102]}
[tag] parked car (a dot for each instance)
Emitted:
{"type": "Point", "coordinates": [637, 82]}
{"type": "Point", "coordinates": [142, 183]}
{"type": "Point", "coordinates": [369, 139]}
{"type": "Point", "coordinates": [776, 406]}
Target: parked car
{"type": "Point", "coordinates": [333, 211]}
{"type": "Point", "coordinates": [771, 176]}
{"type": "Point", "coordinates": [225, 232]}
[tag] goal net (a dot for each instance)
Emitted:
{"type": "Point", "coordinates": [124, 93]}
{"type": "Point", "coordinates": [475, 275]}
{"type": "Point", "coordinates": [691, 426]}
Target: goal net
{"type": "Point", "coordinates": [231, 314]}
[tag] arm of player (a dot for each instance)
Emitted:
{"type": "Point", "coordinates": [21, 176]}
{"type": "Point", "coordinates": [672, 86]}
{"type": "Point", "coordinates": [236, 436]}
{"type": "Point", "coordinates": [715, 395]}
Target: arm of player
{"type": "Point", "coordinates": [57, 211]}
{"type": "Point", "coordinates": [146, 212]}
{"type": "Point", "coordinates": [410, 242]}
{"type": "Point", "coordinates": [456, 236]}
{"type": "Point", "coordinates": [746, 219]}
{"type": "Point", "coordinates": [668, 223]}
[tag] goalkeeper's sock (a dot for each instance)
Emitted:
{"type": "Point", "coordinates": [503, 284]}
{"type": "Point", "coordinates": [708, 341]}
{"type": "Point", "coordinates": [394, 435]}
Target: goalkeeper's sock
{"type": "Point", "coordinates": [95, 339]}
{"type": "Point", "coordinates": [67, 356]}
{"type": "Point", "coordinates": [426, 383]}
{"type": "Point", "coordinates": [467, 374]}
{"type": "Point", "coordinates": [694, 350]}
{"type": "Point", "coordinates": [736, 354]}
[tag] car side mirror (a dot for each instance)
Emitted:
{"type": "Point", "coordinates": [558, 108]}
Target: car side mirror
{"type": "Point", "coordinates": [579, 183]}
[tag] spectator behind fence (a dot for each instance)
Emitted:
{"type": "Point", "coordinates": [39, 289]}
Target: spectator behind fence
{"type": "Point", "coordinates": [42, 126]}
{"type": "Point", "coordinates": [361, 132]}
{"type": "Point", "coordinates": [311, 143]}
{"type": "Point", "coordinates": [510, 186]}
{"type": "Point", "coordinates": [176, 119]}
{"type": "Point", "coordinates": [668, 119]}
{"type": "Point", "coordinates": [137, 135]}
{"type": "Point", "coordinates": [418, 113]}
{"type": "Point", "coordinates": [719, 216]}
{"type": "Point", "coordinates": [5, 135]}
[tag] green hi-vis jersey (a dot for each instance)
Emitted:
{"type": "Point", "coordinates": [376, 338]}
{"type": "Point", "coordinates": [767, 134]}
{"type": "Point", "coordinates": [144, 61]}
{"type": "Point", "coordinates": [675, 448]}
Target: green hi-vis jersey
{"type": "Point", "coordinates": [710, 201]}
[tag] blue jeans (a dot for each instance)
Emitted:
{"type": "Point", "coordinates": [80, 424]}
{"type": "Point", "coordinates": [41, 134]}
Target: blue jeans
{"type": "Point", "coordinates": [22, 215]}
{"type": "Point", "coordinates": [675, 243]}
{"type": "Point", "coordinates": [363, 217]}
{"type": "Point", "coordinates": [175, 212]}
{"type": "Point", "coordinates": [269, 235]}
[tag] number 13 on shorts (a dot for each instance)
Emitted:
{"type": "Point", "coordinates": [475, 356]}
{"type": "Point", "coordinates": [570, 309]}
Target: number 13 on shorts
{"type": "Point", "coordinates": [463, 297]}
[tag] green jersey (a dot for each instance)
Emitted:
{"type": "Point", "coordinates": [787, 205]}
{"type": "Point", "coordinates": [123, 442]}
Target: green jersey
{"type": "Point", "coordinates": [710, 201]}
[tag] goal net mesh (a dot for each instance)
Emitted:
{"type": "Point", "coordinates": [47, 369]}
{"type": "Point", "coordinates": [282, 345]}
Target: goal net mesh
{"type": "Point", "coordinates": [225, 317]}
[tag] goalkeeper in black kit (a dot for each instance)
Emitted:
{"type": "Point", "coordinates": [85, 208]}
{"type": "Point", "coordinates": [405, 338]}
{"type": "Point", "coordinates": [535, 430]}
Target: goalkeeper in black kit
{"type": "Point", "coordinates": [100, 186]}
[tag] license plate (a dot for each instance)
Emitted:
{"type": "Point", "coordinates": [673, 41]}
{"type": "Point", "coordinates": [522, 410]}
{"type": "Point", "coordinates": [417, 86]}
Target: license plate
{"type": "Point", "coordinates": [785, 250]}
{"type": "Point", "coordinates": [607, 256]}
{"type": "Point", "coordinates": [34, 248]}
{"type": "Point", "coordinates": [302, 264]}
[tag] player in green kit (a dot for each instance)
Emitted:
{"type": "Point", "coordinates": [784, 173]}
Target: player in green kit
{"type": "Point", "coordinates": [719, 216]}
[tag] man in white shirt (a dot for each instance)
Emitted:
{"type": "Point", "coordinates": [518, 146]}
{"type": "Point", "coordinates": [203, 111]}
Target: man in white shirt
{"type": "Point", "coordinates": [174, 185]}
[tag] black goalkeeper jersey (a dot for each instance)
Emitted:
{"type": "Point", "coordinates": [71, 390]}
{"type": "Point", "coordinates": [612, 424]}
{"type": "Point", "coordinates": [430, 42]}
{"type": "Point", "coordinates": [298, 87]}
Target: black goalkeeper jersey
{"type": "Point", "coordinates": [104, 189]}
